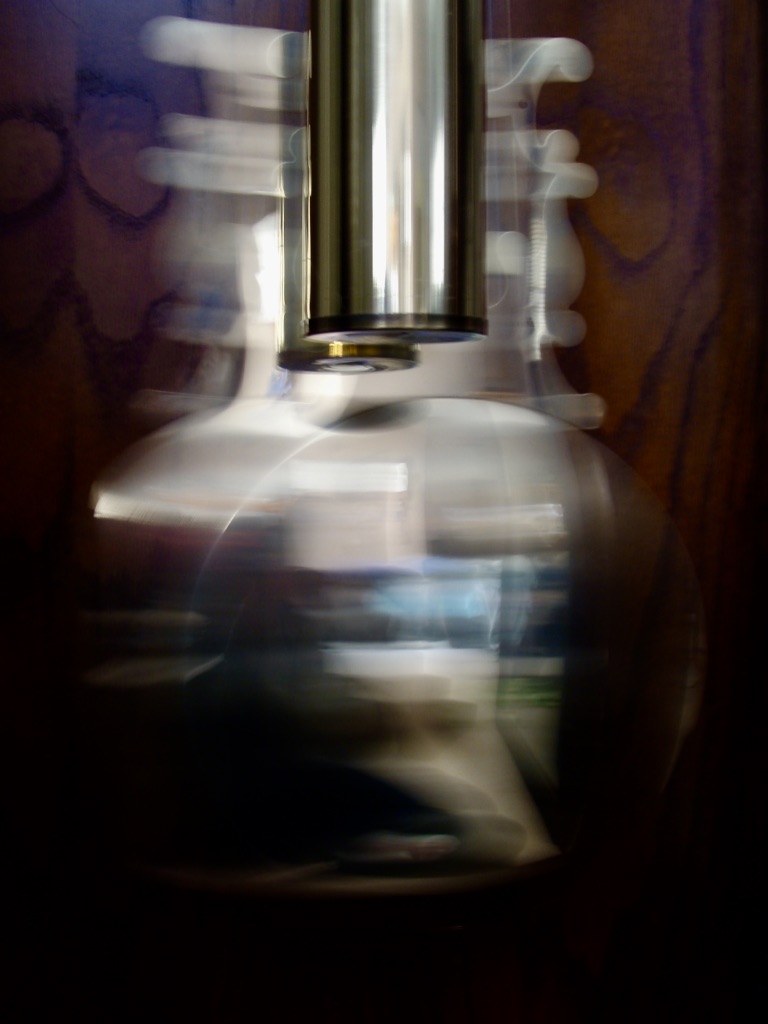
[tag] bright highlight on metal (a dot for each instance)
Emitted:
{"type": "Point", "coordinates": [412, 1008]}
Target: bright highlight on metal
{"type": "Point", "coordinates": [395, 234]}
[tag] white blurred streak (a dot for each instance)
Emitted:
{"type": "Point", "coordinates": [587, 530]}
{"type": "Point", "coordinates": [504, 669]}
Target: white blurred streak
{"type": "Point", "coordinates": [506, 253]}
{"type": "Point", "coordinates": [213, 173]}
{"type": "Point", "coordinates": [227, 156]}
{"type": "Point", "coordinates": [233, 172]}
{"type": "Point", "coordinates": [510, 63]}
{"type": "Point", "coordinates": [228, 48]}
{"type": "Point", "coordinates": [329, 478]}
{"type": "Point", "coordinates": [411, 674]}
{"type": "Point", "coordinates": [266, 236]}
{"type": "Point", "coordinates": [529, 176]}
{"type": "Point", "coordinates": [551, 169]}
{"type": "Point", "coordinates": [226, 138]}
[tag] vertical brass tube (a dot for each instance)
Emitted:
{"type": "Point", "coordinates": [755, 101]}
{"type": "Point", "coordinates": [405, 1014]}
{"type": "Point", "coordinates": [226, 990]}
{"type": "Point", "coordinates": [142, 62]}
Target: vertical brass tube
{"type": "Point", "coordinates": [396, 237]}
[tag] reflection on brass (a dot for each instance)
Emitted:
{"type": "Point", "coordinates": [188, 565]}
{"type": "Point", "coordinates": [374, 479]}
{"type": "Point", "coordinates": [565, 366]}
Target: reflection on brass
{"type": "Point", "coordinates": [345, 355]}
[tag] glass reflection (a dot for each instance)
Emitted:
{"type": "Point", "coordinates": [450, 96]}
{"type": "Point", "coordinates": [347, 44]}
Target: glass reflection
{"type": "Point", "coordinates": [325, 648]}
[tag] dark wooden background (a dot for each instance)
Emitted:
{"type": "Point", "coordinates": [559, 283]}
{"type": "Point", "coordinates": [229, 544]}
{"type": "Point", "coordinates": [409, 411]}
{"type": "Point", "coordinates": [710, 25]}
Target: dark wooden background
{"type": "Point", "coordinates": [674, 927]}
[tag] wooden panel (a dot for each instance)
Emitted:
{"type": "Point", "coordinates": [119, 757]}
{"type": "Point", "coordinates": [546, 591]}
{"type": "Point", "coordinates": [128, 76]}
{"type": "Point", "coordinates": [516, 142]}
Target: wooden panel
{"type": "Point", "coordinates": [674, 306]}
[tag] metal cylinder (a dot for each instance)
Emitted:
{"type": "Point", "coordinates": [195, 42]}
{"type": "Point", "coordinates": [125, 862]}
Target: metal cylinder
{"type": "Point", "coordinates": [396, 238]}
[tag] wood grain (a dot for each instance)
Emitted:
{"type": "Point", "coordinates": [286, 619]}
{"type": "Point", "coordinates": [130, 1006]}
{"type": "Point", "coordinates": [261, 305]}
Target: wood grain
{"type": "Point", "coordinates": [674, 303]}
